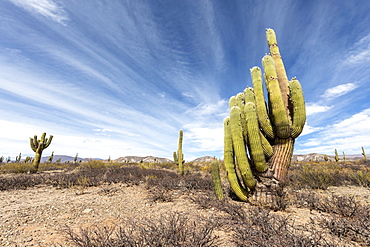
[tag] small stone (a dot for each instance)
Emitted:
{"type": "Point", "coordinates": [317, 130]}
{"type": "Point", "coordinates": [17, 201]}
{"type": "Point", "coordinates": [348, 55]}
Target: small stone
{"type": "Point", "coordinates": [87, 210]}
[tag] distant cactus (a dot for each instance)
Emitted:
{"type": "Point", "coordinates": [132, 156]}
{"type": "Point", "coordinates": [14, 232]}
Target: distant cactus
{"type": "Point", "coordinates": [8, 159]}
{"type": "Point", "coordinates": [75, 158]}
{"type": "Point", "coordinates": [59, 160]}
{"type": "Point", "coordinates": [179, 156]}
{"type": "Point", "coordinates": [51, 157]}
{"type": "Point", "coordinates": [326, 157]}
{"type": "Point", "coordinates": [363, 153]}
{"type": "Point", "coordinates": [27, 159]}
{"type": "Point", "coordinates": [1, 159]}
{"type": "Point", "coordinates": [38, 146]}
{"type": "Point", "coordinates": [336, 155]}
{"type": "Point", "coordinates": [18, 158]}
{"type": "Point", "coordinates": [217, 180]}
{"type": "Point", "coordinates": [344, 157]}
{"type": "Point", "coordinates": [259, 137]}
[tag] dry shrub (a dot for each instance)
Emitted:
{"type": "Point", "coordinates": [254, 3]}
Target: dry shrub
{"type": "Point", "coordinates": [259, 227]}
{"type": "Point", "coordinates": [173, 229]}
{"type": "Point", "coordinates": [16, 167]}
{"type": "Point", "coordinates": [316, 176]}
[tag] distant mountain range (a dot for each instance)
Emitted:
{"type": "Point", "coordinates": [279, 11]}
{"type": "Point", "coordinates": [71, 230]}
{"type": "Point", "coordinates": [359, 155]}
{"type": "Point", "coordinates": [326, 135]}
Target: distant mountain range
{"type": "Point", "coordinates": [205, 159]}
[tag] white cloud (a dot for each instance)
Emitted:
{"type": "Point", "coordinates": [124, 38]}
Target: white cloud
{"type": "Point", "coordinates": [309, 129]}
{"type": "Point", "coordinates": [205, 109]}
{"type": "Point", "coordinates": [348, 135]}
{"type": "Point", "coordinates": [204, 138]}
{"type": "Point", "coordinates": [313, 108]}
{"type": "Point", "coordinates": [339, 90]}
{"type": "Point", "coordinates": [47, 8]}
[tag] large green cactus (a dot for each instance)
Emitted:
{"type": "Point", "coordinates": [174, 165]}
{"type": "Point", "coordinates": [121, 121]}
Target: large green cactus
{"type": "Point", "coordinates": [178, 157]}
{"type": "Point", "coordinates": [38, 146]}
{"type": "Point", "coordinates": [260, 137]}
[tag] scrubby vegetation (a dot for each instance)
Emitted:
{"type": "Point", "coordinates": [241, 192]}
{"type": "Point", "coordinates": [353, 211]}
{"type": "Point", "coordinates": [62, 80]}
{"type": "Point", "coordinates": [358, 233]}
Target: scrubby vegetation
{"type": "Point", "coordinates": [344, 221]}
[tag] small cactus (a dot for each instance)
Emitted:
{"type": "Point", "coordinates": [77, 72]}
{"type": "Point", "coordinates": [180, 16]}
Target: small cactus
{"type": "Point", "coordinates": [51, 157]}
{"type": "Point", "coordinates": [363, 153]}
{"type": "Point", "coordinates": [336, 155]}
{"type": "Point", "coordinates": [217, 180]}
{"type": "Point", "coordinates": [18, 158]}
{"type": "Point", "coordinates": [75, 158]}
{"type": "Point", "coordinates": [326, 158]}
{"type": "Point", "coordinates": [38, 146]}
{"type": "Point", "coordinates": [179, 156]}
{"type": "Point", "coordinates": [344, 157]}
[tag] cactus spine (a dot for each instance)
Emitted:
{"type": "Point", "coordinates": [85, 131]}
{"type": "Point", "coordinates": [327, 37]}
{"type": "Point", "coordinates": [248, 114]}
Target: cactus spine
{"type": "Point", "coordinates": [217, 180]}
{"type": "Point", "coordinates": [363, 153]}
{"type": "Point", "coordinates": [179, 156]}
{"type": "Point", "coordinates": [38, 146]}
{"type": "Point", "coordinates": [263, 146]}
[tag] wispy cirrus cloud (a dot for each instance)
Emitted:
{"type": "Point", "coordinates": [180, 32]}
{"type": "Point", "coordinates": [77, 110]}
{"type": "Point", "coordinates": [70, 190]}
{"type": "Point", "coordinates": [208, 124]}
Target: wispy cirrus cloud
{"type": "Point", "coordinates": [47, 8]}
{"type": "Point", "coordinates": [339, 90]}
{"type": "Point", "coordinates": [360, 52]}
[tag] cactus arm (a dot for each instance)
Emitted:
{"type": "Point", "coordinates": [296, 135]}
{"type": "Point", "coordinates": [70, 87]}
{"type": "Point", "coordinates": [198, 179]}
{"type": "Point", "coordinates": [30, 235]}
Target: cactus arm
{"type": "Point", "coordinates": [232, 101]}
{"type": "Point", "coordinates": [229, 164]}
{"type": "Point", "coordinates": [249, 95]}
{"type": "Point", "coordinates": [279, 65]}
{"type": "Point", "coordinates": [299, 109]}
{"type": "Point", "coordinates": [48, 141]}
{"type": "Point", "coordinates": [279, 115]}
{"type": "Point", "coordinates": [239, 147]}
{"type": "Point", "coordinates": [32, 144]}
{"type": "Point", "coordinates": [263, 117]}
{"type": "Point", "coordinates": [266, 146]}
{"type": "Point", "coordinates": [254, 139]}
{"type": "Point", "coordinates": [217, 180]}
{"type": "Point", "coordinates": [240, 103]}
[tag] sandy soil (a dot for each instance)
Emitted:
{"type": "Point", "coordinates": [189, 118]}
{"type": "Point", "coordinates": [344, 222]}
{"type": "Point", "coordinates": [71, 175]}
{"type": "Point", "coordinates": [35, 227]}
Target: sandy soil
{"type": "Point", "coordinates": [35, 217]}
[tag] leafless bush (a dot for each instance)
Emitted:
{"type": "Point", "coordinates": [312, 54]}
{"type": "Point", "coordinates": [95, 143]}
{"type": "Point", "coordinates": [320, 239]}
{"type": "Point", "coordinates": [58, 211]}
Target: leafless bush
{"type": "Point", "coordinates": [174, 229]}
{"type": "Point", "coordinates": [346, 206]}
{"type": "Point", "coordinates": [259, 227]}
{"type": "Point", "coordinates": [351, 227]}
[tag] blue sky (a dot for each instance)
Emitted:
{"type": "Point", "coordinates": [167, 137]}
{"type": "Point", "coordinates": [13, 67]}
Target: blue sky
{"type": "Point", "coordinates": [118, 78]}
